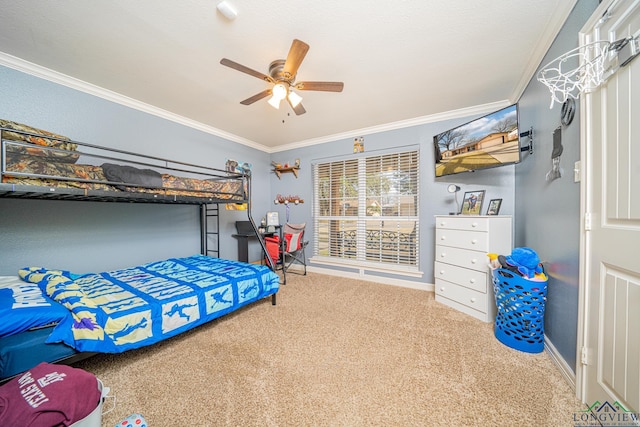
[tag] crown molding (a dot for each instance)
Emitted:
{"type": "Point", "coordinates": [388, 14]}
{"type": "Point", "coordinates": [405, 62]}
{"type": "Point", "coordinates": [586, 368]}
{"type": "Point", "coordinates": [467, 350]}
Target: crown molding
{"type": "Point", "coordinates": [73, 83]}
{"type": "Point", "coordinates": [82, 86]}
{"type": "Point", "coordinates": [453, 114]}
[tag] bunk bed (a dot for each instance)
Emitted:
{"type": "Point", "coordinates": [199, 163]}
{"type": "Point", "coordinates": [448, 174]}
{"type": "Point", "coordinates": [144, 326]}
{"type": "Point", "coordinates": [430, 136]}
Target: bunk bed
{"type": "Point", "coordinates": [120, 310]}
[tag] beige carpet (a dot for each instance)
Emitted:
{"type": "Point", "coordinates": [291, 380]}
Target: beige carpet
{"type": "Point", "coordinates": [337, 352]}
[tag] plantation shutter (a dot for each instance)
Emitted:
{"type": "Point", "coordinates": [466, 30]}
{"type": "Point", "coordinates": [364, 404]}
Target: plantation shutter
{"type": "Point", "coordinates": [366, 210]}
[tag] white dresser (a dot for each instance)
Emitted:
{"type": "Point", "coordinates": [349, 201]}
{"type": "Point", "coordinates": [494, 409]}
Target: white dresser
{"type": "Point", "coordinates": [462, 275]}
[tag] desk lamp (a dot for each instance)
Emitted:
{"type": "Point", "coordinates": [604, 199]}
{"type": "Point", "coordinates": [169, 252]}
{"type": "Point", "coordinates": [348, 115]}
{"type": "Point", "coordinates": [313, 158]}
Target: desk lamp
{"type": "Point", "coordinates": [452, 188]}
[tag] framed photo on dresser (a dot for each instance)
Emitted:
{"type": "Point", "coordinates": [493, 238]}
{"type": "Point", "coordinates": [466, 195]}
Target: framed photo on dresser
{"type": "Point", "coordinates": [494, 207]}
{"type": "Point", "coordinates": [472, 202]}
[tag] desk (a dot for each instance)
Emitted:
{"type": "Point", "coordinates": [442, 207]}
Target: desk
{"type": "Point", "coordinates": [243, 242]}
{"type": "Point", "coordinates": [243, 245]}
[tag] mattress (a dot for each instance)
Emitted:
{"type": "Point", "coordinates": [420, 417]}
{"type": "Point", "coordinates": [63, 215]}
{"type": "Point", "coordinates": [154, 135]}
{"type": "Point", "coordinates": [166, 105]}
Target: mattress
{"type": "Point", "coordinates": [23, 351]}
{"type": "Point", "coordinates": [44, 172]}
{"type": "Point", "coordinates": [120, 310]}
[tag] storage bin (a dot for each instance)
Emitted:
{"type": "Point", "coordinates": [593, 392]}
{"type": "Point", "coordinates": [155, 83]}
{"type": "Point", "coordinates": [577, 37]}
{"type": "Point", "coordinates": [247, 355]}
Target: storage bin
{"type": "Point", "coordinates": [520, 311]}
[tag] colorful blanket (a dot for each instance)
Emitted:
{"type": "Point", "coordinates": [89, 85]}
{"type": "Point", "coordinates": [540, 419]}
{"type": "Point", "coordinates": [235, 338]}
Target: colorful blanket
{"type": "Point", "coordinates": [125, 309]}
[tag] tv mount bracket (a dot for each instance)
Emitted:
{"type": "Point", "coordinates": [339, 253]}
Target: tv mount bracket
{"type": "Point", "coordinates": [529, 134]}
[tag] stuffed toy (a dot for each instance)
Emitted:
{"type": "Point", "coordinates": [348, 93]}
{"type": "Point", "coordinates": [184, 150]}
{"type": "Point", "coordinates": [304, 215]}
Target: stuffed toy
{"type": "Point", "coordinates": [524, 261]}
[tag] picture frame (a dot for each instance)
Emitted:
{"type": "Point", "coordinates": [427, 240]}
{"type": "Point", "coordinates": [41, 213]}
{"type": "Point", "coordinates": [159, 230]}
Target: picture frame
{"type": "Point", "coordinates": [272, 219]}
{"type": "Point", "coordinates": [472, 202]}
{"type": "Point", "coordinates": [494, 206]}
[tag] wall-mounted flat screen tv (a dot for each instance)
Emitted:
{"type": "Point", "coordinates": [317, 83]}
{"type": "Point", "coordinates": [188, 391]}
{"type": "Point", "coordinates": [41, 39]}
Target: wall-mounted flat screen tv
{"type": "Point", "coordinates": [487, 142]}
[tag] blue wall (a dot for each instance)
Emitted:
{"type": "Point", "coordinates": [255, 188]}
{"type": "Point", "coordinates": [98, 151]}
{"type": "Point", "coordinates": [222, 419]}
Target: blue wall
{"type": "Point", "coordinates": [92, 236]}
{"type": "Point", "coordinates": [548, 212]}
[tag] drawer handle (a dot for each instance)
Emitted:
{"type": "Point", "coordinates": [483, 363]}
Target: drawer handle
{"type": "Point", "coordinates": [443, 254]}
{"type": "Point", "coordinates": [442, 289]}
{"type": "Point", "coordinates": [441, 272]}
{"type": "Point", "coordinates": [442, 238]}
{"type": "Point", "coordinates": [442, 224]}
{"type": "Point", "coordinates": [472, 281]}
{"type": "Point", "coordinates": [474, 225]}
{"type": "Point", "coordinates": [473, 300]}
{"type": "Point", "coordinates": [474, 241]}
{"type": "Point", "coordinates": [473, 261]}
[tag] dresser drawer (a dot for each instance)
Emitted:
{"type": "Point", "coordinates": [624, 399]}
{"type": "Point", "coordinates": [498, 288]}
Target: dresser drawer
{"type": "Point", "coordinates": [465, 296]}
{"type": "Point", "coordinates": [474, 240]}
{"type": "Point", "coordinates": [458, 222]}
{"type": "Point", "coordinates": [461, 266]}
{"type": "Point", "coordinates": [472, 279]}
{"type": "Point", "coordinates": [462, 257]}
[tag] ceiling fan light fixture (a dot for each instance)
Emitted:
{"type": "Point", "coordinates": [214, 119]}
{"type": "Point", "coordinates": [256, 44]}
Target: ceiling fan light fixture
{"type": "Point", "coordinates": [279, 92]}
{"type": "Point", "coordinates": [294, 98]}
{"type": "Point", "coordinates": [275, 102]}
{"type": "Point", "coordinates": [281, 78]}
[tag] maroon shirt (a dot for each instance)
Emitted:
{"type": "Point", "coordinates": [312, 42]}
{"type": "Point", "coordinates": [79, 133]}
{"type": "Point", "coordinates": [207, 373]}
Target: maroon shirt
{"type": "Point", "coordinates": [48, 396]}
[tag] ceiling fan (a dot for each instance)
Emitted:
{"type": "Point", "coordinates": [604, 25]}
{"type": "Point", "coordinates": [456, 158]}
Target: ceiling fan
{"type": "Point", "coordinates": [282, 74]}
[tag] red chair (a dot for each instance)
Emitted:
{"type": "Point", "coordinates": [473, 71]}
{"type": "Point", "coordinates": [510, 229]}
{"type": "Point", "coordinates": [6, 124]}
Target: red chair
{"type": "Point", "coordinates": [288, 250]}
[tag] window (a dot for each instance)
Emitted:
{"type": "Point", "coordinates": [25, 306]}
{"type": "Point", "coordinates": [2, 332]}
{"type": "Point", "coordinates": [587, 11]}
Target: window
{"type": "Point", "coordinates": [366, 211]}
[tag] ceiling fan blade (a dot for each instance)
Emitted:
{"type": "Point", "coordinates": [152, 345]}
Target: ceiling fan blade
{"type": "Point", "coordinates": [298, 109]}
{"type": "Point", "coordinates": [296, 54]}
{"type": "Point", "coordinates": [256, 97]}
{"type": "Point", "coordinates": [324, 86]}
{"type": "Point", "coordinates": [231, 64]}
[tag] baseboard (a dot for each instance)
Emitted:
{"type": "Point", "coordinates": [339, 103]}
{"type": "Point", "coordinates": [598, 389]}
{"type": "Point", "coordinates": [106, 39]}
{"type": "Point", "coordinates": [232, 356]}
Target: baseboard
{"type": "Point", "coordinates": [562, 365]}
{"type": "Point", "coordinates": [371, 278]}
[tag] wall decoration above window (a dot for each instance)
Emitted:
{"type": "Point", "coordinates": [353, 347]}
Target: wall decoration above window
{"type": "Point", "coordinates": [358, 145]}
{"type": "Point", "coordinates": [280, 168]}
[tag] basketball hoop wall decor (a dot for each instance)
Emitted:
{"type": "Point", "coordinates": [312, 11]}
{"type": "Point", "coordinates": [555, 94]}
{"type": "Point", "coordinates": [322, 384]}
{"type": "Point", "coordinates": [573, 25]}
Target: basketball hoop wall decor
{"type": "Point", "coordinates": [578, 71]}
{"type": "Point", "coordinates": [583, 69]}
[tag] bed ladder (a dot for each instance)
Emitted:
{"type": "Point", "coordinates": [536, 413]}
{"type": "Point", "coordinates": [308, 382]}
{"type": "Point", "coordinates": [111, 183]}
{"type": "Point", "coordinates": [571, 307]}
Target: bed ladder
{"type": "Point", "coordinates": [210, 230]}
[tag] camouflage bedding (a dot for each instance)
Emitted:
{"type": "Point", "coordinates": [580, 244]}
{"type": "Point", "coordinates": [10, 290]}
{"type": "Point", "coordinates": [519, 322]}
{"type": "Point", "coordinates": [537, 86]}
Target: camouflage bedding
{"type": "Point", "coordinates": [89, 177]}
{"type": "Point", "coordinates": [57, 147]}
{"type": "Point", "coordinates": [36, 157]}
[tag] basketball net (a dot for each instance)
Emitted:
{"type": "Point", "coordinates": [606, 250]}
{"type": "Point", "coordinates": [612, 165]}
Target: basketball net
{"type": "Point", "coordinates": [580, 70]}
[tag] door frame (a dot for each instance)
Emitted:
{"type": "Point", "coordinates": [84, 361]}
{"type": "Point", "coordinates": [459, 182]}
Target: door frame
{"type": "Point", "coordinates": [583, 355]}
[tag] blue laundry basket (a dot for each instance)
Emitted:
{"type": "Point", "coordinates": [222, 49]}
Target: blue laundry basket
{"type": "Point", "coordinates": [520, 311]}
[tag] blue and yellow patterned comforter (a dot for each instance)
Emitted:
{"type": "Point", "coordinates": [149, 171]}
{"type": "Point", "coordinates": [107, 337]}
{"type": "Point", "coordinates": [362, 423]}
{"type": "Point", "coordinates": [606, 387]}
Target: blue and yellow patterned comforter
{"type": "Point", "coordinates": [121, 310]}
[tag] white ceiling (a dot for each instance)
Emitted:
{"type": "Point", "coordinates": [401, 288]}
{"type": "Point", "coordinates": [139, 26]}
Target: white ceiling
{"type": "Point", "coordinates": [402, 62]}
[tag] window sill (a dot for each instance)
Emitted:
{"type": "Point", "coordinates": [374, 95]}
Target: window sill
{"type": "Point", "coordinates": [401, 270]}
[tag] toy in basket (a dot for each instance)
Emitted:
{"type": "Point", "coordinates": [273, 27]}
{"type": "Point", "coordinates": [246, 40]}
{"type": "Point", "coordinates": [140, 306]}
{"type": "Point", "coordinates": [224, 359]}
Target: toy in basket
{"type": "Point", "coordinates": [521, 293]}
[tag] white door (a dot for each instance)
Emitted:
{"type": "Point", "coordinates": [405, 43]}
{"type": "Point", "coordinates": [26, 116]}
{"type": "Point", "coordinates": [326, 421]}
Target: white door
{"type": "Point", "coordinates": [610, 299]}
